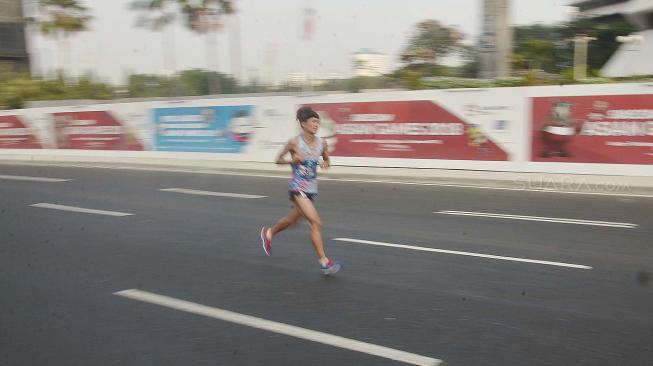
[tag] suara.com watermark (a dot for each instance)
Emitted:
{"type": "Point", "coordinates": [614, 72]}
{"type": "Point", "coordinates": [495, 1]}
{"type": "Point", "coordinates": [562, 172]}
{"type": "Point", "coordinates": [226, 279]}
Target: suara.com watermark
{"type": "Point", "coordinates": [571, 184]}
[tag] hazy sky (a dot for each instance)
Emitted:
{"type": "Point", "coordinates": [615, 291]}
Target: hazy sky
{"type": "Point", "coordinates": [271, 36]}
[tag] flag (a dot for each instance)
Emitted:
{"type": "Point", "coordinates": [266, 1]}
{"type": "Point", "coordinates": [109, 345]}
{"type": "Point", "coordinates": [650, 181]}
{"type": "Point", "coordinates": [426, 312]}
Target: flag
{"type": "Point", "coordinates": [309, 23]}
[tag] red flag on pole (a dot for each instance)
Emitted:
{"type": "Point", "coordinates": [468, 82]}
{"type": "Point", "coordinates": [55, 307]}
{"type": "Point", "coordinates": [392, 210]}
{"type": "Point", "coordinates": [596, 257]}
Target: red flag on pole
{"type": "Point", "coordinates": [309, 23]}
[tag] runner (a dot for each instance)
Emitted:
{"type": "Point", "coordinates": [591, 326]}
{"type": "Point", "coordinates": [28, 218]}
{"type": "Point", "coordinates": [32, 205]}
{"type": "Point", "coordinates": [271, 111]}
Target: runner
{"type": "Point", "coordinates": [305, 152]}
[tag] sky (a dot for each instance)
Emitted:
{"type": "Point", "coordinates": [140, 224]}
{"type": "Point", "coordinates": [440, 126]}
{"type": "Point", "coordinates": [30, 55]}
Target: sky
{"type": "Point", "coordinates": [270, 34]}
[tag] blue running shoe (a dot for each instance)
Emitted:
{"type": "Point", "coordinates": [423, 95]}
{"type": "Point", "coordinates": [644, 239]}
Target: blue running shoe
{"type": "Point", "coordinates": [331, 267]}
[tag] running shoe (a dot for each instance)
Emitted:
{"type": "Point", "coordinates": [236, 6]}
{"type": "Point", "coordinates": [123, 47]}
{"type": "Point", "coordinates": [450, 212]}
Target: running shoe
{"type": "Point", "coordinates": [267, 243]}
{"type": "Point", "coordinates": [331, 267]}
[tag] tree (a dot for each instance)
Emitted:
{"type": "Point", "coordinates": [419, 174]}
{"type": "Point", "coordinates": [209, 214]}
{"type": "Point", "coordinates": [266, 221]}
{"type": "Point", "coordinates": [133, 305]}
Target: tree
{"type": "Point", "coordinates": [61, 19]}
{"type": "Point", "coordinates": [539, 52]}
{"type": "Point", "coordinates": [156, 14]}
{"type": "Point", "coordinates": [187, 82]}
{"type": "Point", "coordinates": [200, 16]}
{"type": "Point", "coordinates": [550, 47]}
{"type": "Point", "coordinates": [430, 42]}
{"type": "Point", "coordinates": [471, 62]}
{"type": "Point", "coordinates": [15, 92]}
{"type": "Point", "coordinates": [201, 82]}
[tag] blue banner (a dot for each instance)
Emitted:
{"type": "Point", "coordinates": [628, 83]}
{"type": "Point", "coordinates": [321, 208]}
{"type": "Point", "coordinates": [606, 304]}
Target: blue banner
{"type": "Point", "coordinates": [219, 129]}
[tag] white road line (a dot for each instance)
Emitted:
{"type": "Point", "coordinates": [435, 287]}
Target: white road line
{"type": "Point", "coordinates": [365, 181]}
{"type": "Point", "coordinates": [79, 209]}
{"type": "Point", "coordinates": [280, 328]}
{"type": "Point", "coordinates": [210, 193]}
{"type": "Point", "coordinates": [469, 254]}
{"type": "Point", "coordinates": [376, 141]}
{"type": "Point", "coordinates": [473, 186]}
{"type": "Point", "coordinates": [34, 179]}
{"type": "Point", "coordinates": [542, 219]}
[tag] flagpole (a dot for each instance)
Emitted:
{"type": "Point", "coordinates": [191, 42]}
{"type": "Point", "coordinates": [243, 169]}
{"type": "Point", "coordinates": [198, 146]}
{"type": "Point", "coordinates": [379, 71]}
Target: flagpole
{"type": "Point", "coordinates": [309, 27]}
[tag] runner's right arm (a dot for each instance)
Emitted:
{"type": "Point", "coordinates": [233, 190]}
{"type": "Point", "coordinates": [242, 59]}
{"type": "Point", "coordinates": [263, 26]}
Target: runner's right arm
{"type": "Point", "coordinates": [295, 157]}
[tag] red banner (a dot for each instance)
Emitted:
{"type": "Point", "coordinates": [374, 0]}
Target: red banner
{"type": "Point", "coordinates": [93, 130]}
{"type": "Point", "coordinates": [15, 135]}
{"type": "Point", "coordinates": [593, 129]}
{"type": "Point", "coordinates": [402, 129]}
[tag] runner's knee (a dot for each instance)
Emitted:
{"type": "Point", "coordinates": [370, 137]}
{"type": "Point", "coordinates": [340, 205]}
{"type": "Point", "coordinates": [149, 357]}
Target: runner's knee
{"type": "Point", "coordinates": [316, 223]}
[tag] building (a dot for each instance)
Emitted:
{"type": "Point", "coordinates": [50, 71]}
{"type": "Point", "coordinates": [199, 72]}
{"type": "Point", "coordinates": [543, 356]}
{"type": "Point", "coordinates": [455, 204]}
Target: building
{"type": "Point", "coordinates": [297, 79]}
{"type": "Point", "coordinates": [369, 63]}
{"type": "Point", "coordinates": [13, 47]}
{"type": "Point", "coordinates": [636, 51]}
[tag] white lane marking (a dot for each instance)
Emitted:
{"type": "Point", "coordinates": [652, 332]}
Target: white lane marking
{"type": "Point", "coordinates": [470, 254]}
{"type": "Point", "coordinates": [34, 179]}
{"type": "Point", "coordinates": [79, 209]}
{"type": "Point", "coordinates": [284, 176]}
{"type": "Point", "coordinates": [472, 186]}
{"type": "Point", "coordinates": [374, 141]}
{"type": "Point", "coordinates": [280, 328]}
{"type": "Point", "coordinates": [210, 193]}
{"type": "Point", "coordinates": [541, 219]}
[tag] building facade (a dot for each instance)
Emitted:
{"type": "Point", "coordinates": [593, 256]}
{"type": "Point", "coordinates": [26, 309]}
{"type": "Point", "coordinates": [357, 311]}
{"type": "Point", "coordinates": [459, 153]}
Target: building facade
{"type": "Point", "coordinates": [13, 46]}
{"type": "Point", "coordinates": [369, 63]}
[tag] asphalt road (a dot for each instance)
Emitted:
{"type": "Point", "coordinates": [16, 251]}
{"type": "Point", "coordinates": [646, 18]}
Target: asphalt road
{"type": "Point", "coordinates": [460, 286]}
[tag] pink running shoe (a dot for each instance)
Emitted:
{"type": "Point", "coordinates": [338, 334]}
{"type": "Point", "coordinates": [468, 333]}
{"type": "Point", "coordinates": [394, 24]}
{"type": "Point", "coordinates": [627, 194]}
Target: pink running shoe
{"type": "Point", "coordinates": [267, 243]}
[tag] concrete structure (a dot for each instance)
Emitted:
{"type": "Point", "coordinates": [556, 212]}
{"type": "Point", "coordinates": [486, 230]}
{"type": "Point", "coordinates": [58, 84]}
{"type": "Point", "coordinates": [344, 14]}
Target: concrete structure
{"type": "Point", "coordinates": [297, 79]}
{"type": "Point", "coordinates": [13, 49]}
{"type": "Point", "coordinates": [369, 63]}
{"type": "Point", "coordinates": [636, 52]}
{"type": "Point", "coordinates": [495, 45]}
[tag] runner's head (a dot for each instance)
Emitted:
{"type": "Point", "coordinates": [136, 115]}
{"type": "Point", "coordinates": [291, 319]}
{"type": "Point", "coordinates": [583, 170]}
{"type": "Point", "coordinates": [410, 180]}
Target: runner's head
{"type": "Point", "coordinates": [308, 119]}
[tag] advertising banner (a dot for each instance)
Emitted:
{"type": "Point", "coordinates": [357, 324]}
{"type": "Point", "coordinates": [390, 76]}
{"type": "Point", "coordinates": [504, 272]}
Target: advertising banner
{"type": "Point", "coordinates": [218, 129]}
{"type": "Point", "coordinates": [418, 129]}
{"type": "Point", "coordinates": [93, 130]}
{"type": "Point", "coordinates": [14, 134]}
{"type": "Point", "coordinates": [593, 129]}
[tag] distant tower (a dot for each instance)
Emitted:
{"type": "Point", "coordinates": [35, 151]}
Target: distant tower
{"type": "Point", "coordinates": [495, 46]}
{"type": "Point", "coordinates": [13, 48]}
{"type": "Point", "coordinates": [269, 65]}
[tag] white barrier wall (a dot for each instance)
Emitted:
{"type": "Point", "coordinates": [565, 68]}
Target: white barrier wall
{"type": "Point", "coordinates": [584, 129]}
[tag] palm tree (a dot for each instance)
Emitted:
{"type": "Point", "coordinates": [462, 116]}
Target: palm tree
{"type": "Point", "coordinates": [61, 19]}
{"type": "Point", "coordinates": [156, 16]}
{"type": "Point", "coordinates": [206, 18]}
{"type": "Point", "coordinates": [198, 15]}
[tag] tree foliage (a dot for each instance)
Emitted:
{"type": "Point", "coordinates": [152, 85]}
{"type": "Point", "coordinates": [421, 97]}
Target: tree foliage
{"type": "Point", "coordinates": [61, 16]}
{"type": "Point", "coordinates": [430, 42]}
{"type": "Point", "coordinates": [156, 14]}
{"type": "Point", "coordinates": [188, 82]}
{"type": "Point", "coordinates": [551, 47]}
{"type": "Point", "coordinates": [17, 90]}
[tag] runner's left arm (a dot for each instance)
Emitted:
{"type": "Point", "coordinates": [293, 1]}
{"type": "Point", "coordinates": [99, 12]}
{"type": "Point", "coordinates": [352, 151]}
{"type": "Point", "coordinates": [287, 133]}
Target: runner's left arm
{"type": "Point", "coordinates": [326, 161]}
